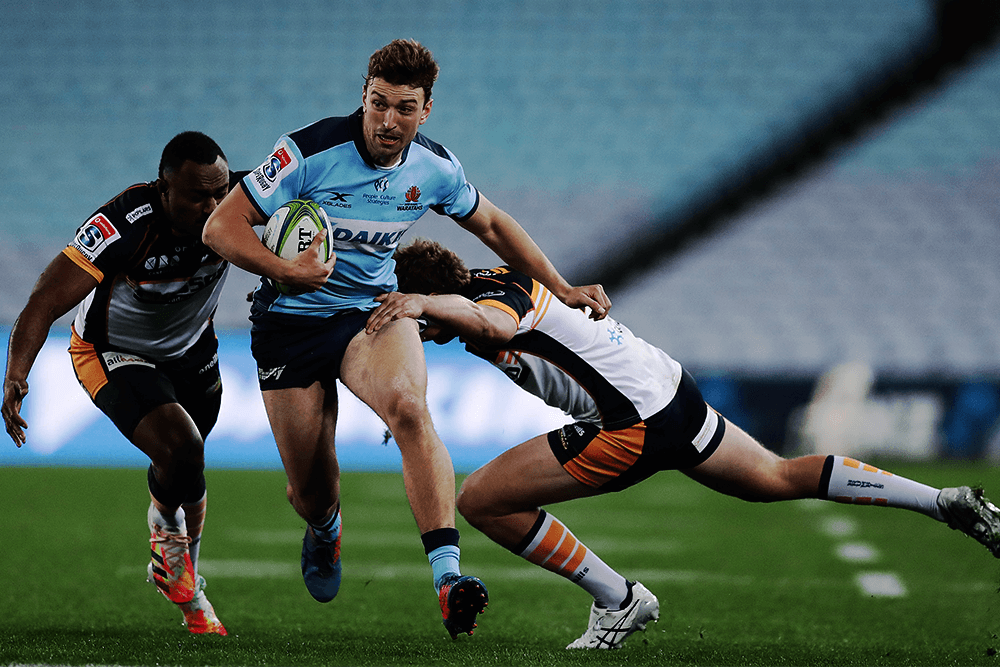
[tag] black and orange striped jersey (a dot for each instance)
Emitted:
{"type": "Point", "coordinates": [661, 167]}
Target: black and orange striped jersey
{"type": "Point", "coordinates": [595, 371]}
{"type": "Point", "coordinates": [156, 291]}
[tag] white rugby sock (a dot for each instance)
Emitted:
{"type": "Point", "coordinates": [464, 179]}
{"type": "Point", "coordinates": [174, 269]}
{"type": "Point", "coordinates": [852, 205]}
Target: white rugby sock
{"type": "Point", "coordinates": [556, 549]}
{"type": "Point", "coordinates": [848, 480]}
{"type": "Point", "coordinates": [194, 518]}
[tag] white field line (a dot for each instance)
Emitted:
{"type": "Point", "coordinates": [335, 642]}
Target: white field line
{"type": "Point", "coordinates": [289, 570]}
{"type": "Point", "coordinates": [248, 569]}
{"type": "Point", "coordinates": [410, 537]}
{"type": "Point", "coordinates": [881, 584]}
{"type": "Point", "coordinates": [874, 584]}
{"type": "Point", "coordinates": [857, 552]}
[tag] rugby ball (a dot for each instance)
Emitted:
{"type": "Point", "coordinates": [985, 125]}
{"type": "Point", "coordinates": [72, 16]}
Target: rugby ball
{"type": "Point", "coordinates": [290, 231]}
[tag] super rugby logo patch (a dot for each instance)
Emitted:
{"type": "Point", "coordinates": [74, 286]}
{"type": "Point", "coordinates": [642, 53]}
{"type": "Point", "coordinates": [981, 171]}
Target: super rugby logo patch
{"type": "Point", "coordinates": [95, 235]}
{"type": "Point", "coordinates": [278, 164]}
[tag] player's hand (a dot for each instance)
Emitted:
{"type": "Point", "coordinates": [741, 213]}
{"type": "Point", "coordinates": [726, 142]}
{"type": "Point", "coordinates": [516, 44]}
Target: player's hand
{"type": "Point", "coordinates": [394, 306]}
{"type": "Point", "coordinates": [589, 296]}
{"type": "Point", "coordinates": [13, 394]}
{"type": "Point", "coordinates": [308, 270]}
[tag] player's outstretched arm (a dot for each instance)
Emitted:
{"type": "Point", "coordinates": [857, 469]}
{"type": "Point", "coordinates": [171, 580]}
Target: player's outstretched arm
{"type": "Point", "coordinates": [61, 286]}
{"type": "Point", "coordinates": [504, 236]}
{"type": "Point", "coordinates": [229, 232]}
{"type": "Point", "coordinates": [473, 322]}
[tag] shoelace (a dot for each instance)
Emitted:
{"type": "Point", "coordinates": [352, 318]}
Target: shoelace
{"type": "Point", "coordinates": [326, 553]}
{"type": "Point", "coordinates": [174, 545]}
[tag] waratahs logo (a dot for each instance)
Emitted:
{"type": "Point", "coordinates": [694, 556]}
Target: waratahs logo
{"type": "Point", "coordinates": [412, 200]}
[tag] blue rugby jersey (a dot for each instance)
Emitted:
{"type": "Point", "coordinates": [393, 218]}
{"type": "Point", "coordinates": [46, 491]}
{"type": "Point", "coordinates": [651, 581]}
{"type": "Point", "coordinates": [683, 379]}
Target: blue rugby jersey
{"type": "Point", "coordinates": [371, 207]}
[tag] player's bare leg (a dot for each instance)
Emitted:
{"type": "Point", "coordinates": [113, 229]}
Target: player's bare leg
{"type": "Point", "coordinates": [743, 468]}
{"type": "Point", "coordinates": [503, 499]}
{"type": "Point", "coordinates": [387, 371]}
{"type": "Point", "coordinates": [171, 439]}
{"type": "Point", "coordinates": [307, 450]}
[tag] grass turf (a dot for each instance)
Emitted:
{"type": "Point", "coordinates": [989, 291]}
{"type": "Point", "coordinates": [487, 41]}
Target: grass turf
{"type": "Point", "coordinates": [738, 583]}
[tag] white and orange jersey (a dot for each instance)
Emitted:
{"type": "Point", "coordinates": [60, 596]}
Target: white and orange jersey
{"type": "Point", "coordinates": [595, 371]}
{"type": "Point", "coordinates": [156, 291]}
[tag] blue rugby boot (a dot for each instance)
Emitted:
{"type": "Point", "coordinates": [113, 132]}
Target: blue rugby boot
{"type": "Point", "coordinates": [462, 599]}
{"type": "Point", "coordinates": [321, 564]}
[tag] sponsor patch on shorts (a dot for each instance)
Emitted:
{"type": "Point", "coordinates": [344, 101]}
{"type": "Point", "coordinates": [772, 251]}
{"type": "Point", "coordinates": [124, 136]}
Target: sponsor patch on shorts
{"type": "Point", "coordinates": [115, 360]}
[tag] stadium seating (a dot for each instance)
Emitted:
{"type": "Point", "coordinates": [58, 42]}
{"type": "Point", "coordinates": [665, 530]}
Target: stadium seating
{"type": "Point", "coordinates": [585, 120]}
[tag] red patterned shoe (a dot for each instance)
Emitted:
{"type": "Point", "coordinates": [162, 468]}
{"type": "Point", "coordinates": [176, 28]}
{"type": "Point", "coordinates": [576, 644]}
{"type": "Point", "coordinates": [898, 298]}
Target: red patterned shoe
{"type": "Point", "coordinates": [199, 616]}
{"type": "Point", "coordinates": [462, 599]}
{"type": "Point", "coordinates": [170, 567]}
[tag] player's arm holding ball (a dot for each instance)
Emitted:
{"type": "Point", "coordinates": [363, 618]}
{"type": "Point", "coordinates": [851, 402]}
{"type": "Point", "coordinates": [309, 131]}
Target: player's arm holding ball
{"type": "Point", "coordinates": [229, 231]}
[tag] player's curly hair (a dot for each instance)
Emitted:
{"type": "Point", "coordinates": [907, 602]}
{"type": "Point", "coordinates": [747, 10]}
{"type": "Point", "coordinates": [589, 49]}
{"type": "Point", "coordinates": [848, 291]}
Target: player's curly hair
{"type": "Point", "coordinates": [427, 267]}
{"type": "Point", "coordinates": [195, 146]}
{"type": "Point", "coordinates": [404, 62]}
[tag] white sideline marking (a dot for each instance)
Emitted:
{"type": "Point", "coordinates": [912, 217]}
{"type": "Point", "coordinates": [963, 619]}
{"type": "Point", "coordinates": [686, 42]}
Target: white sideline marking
{"type": "Point", "coordinates": [250, 569]}
{"type": "Point", "coordinates": [881, 584]}
{"type": "Point", "coordinates": [839, 526]}
{"type": "Point", "coordinates": [858, 552]}
{"type": "Point", "coordinates": [290, 569]}
{"type": "Point", "coordinates": [385, 539]}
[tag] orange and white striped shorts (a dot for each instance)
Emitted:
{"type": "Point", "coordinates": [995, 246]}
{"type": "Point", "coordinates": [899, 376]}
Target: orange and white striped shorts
{"type": "Point", "coordinates": [680, 436]}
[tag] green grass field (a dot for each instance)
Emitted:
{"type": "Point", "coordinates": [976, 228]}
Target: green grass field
{"type": "Point", "coordinates": [739, 584]}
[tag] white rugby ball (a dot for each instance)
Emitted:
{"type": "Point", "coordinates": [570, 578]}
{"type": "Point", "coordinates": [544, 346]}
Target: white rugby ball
{"type": "Point", "coordinates": [290, 231]}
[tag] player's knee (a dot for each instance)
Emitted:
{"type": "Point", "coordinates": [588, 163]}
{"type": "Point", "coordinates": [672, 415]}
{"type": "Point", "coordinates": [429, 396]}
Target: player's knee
{"type": "Point", "coordinates": [170, 442]}
{"type": "Point", "coordinates": [468, 502]}
{"type": "Point", "coordinates": [476, 503]}
{"type": "Point", "coordinates": [407, 415]}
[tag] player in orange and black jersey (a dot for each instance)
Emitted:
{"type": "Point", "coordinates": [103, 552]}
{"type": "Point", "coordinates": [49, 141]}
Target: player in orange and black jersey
{"type": "Point", "coordinates": [143, 346]}
{"type": "Point", "coordinates": [636, 411]}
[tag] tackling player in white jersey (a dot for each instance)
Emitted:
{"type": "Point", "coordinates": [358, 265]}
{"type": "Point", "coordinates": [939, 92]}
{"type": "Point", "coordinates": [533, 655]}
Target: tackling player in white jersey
{"type": "Point", "coordinates": [374, 175]}
{"type": "Point", "coordinates": [636, 412]}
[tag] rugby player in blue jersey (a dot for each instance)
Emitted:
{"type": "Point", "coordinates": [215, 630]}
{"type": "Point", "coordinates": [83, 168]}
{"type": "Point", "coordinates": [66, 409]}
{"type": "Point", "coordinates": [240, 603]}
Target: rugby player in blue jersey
{"type": "Point", "coordinates": [375, 176]}
{"type": "Point", "coordinates": [143, 345]}
{"type": "Point", "coordinates": [636, 412]}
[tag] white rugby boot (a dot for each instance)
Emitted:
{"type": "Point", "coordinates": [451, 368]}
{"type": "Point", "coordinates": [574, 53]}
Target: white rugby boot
{"type": "Point", "coordinates": [609, 629]}
{"type": "Point", "coordinates": [966, 509]}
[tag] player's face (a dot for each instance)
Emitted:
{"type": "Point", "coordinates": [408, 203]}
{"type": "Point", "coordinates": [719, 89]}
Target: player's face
{"type": "Point", "coordinates": [392, 115]}
{"type": "Point", "coordinates": [191, 193]}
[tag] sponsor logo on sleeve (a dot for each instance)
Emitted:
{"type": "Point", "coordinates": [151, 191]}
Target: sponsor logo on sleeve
{"type": "Point", "coordinates": [95, 235]}
{"type": "Point", "coordinates": [135, 214]}
{"type": "Point", "coordinates": [278, 164]}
